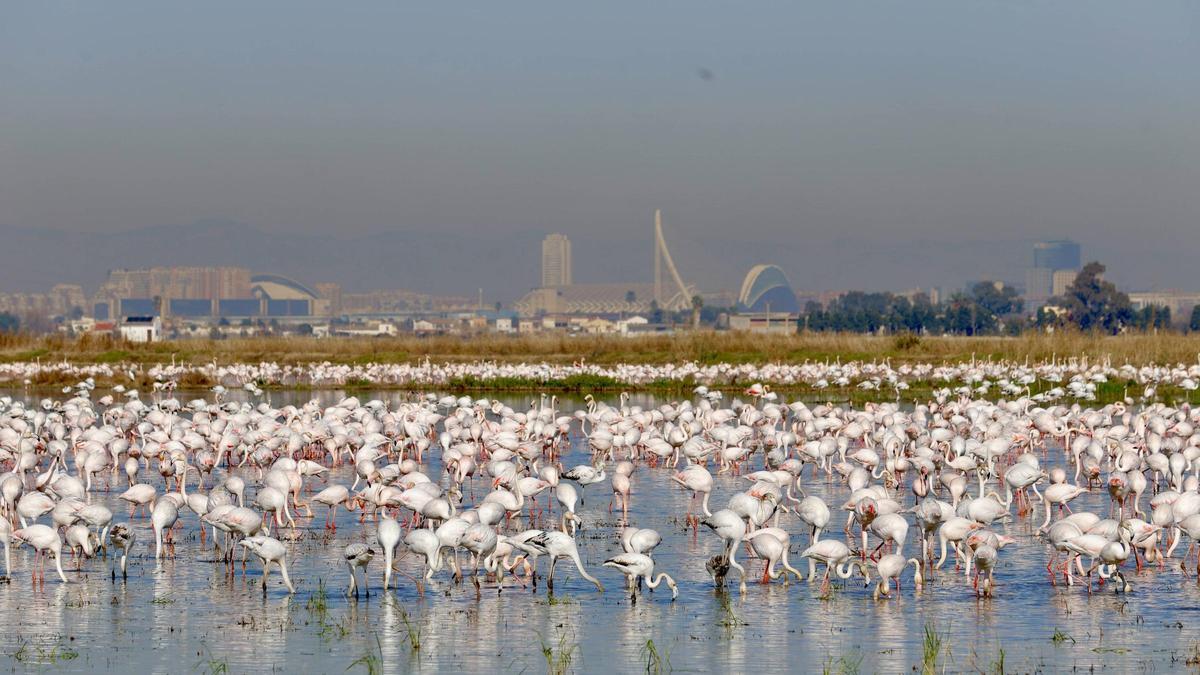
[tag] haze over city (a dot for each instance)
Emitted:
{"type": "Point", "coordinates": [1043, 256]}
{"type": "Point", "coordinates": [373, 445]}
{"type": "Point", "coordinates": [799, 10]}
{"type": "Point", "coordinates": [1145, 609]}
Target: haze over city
{"type": "Point", "coordinates": [432, 147]}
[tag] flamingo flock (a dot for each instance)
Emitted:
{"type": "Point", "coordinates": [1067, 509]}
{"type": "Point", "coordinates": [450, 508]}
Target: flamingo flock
{"type": "Point", "coordinates": [479, 492]}
{"type": "Point", "coordinates": [1074, 379]}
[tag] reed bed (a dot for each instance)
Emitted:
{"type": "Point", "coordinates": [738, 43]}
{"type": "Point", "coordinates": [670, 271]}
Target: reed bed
{"type": "Point", "coordinates": [704, 347]}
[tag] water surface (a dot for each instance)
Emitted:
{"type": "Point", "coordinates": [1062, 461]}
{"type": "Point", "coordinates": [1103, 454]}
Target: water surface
{"type": "Point", "coordinates": [185, 614]}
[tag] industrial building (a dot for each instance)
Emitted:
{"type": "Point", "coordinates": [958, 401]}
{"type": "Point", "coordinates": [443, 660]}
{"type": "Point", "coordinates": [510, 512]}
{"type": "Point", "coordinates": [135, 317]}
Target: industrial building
{"type": "Point", "coordinates": [209, 293]}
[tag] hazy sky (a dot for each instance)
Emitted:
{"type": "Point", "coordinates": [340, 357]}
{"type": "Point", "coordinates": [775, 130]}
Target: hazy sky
{"type": "Point", "coordinates": [834, 128]}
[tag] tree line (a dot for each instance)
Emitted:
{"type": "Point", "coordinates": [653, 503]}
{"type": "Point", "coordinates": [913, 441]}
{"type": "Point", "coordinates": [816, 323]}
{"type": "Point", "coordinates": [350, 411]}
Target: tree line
{"type": "Point", "coordinates": [1090, 303]}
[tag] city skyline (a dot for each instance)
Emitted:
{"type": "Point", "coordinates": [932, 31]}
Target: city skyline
{"type": "Point", "coordinates": [780, 138]}
{"type": "Point", "coordinates": [1012, 274]}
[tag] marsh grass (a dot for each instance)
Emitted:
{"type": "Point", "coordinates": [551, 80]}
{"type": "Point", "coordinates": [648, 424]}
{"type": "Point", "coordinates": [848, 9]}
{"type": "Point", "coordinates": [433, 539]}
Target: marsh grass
{"type": "Point", "coordinates": [413, 630]}
{"type": "Point", "coordinates": [728, 619]}
{"type": "Point", "coordinates": [318, 603]}
{"type": "Point", "coordinates": [846, 664]}
{"type": "Point", "coordinates": [372, 658]}
{"type": "Point", "coordinates": [657, 662]}
{"type": "Point", "coordinates": [559, 656]}
{"type": "Point", "coordinates": [210, 664]}
{"type": "Point", "coordinates": [52, 654]}
{"type": "Point", "coordinates": [705, 347]}
{"type": "Point", "coordinates": [1059, 637]}
{"type": "Point", "coordinates": [931, 649]}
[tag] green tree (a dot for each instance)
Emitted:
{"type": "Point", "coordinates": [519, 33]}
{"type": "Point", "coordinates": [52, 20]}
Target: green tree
{"type": "Point", "coordinates": [1094, 304]}
{"type": "Point", "coordinates": [630, 297]}
{"type": "Point", "coordinates": [697, 305]}
{"type": "Point", "coordinates": [997, 299]}
{"type": "Point", "coordinates": [1194, 324]}
{"type": "Point", "coordinates": [9, 323]}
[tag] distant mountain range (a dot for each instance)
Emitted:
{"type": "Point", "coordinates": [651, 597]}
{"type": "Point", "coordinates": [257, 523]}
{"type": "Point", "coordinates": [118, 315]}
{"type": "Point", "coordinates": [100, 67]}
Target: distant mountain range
{"type": "Point", "coordinates": [504, 265]}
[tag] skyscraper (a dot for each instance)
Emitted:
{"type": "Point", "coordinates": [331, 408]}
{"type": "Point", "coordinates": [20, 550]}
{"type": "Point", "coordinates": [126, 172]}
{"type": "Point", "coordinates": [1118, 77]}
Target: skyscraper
{"type": "Point", "coordinates": [1054, 266]}
{"type": "Point", "coordinates": [556, 261]}
{"type": "Point", "coordinates": [1062, 254]}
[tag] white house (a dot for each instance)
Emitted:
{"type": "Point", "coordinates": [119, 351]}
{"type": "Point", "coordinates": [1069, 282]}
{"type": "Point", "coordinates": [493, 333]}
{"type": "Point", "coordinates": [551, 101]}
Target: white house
{"type": "Point", "coordinates": [141, 329]}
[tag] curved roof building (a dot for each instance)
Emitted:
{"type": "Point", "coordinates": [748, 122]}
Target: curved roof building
{"type": "Point", "coordinates": [276, 287]}
{"type": "Point", "coordinates": [765, 288]}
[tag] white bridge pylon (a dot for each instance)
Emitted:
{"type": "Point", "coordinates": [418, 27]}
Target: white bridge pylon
{"type": "Point", "coordinates": [662, 255]}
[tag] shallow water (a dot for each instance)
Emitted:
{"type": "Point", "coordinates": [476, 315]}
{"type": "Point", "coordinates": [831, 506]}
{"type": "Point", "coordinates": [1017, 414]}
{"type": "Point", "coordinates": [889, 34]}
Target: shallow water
{"type": "Point", "coordinates": [185, 614]}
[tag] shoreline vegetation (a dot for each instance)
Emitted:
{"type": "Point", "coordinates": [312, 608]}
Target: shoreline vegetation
{"type": "Point", "coordinates": [701, 347]}
{"type": "Point", "coordinates": [705, 347]}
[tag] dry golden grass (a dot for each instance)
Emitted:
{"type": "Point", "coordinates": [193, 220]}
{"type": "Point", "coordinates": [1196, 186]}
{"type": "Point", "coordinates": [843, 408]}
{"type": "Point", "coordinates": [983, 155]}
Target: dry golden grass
{"type": "Point", "coordinates": [702, 346]}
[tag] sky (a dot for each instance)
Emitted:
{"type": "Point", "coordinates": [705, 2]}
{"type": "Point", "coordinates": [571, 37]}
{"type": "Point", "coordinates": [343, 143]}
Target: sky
{"type": "Point", "coordinates": [868, 144]}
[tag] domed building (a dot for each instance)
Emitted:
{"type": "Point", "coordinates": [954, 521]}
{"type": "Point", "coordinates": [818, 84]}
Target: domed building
{"type": "Point", "coordinates": [766, 288]}
{"type": "Point", "coordinates": [286, 297]}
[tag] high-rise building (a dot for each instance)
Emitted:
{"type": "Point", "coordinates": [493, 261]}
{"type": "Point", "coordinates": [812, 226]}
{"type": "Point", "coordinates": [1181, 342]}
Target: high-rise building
{"type": "Point", "coordinates": [556, 261]}
{"type": "Point", "coordinates": [209, 283]}
{"type": "Point", "coordinates": [1039, 286]}
{"type": "Point", "coordinates": [1062, 280]}
{"type": "Point", "coordinates": [1054, 266]}
{"type": "Point", "coordinates": [1062, 254]}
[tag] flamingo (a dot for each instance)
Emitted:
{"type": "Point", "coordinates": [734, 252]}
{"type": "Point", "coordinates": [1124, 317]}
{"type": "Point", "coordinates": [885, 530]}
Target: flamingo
{"type": "Point", "coordinates": [890, 567]}
{"type": "Point", "coordinates": [270, 550]}
{"type": "Point", "coordinates": [44, 540]}
{"type": "Point", "coordinates": [358, 555]}
{"type": "Point", "coordinates": [562, 545]}
{"type": "Point", "coordinates": [836, 557]}
{"type": "Point", "coordinates": [388, 535]}
{"type": "Point", "coordinates": [122, 535]}
{"type": "Point", "coordinates": [732, 529]}
{"type": "Point", "coordinates": [641, 567]}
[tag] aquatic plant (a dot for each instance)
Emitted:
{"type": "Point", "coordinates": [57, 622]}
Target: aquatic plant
{"type": "Point", "coordinates": [728, 618]}
{"type": "Point", "coordinates": [553, 600]}
{"type": "Point", "coordinates": [931, 649]}
{"type": "Point", "coordinates": [211, 665]}
{"type": "Point", "coordinates": [656, 662]}
{"type": "Point", "coordinates": [998, 664]}
{"type": "Point", "coordinates": [414, 631]}
{"type": "Point", "coordinates": [558, 656]}
{"type": "Point", "coordinates": [846, 664]}
{"type": "Point", "coordinates": [27, 653]}
{"type": "Point", "coordinates": [318, 602]}
{"type": "Point", "coordinates": [1060, 637]}
{"type": "Point", "coordinates": [371, 660]}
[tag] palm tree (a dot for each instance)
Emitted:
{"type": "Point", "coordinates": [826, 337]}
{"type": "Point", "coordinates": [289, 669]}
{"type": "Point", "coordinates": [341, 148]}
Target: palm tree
{"type": "Point", "coordinates": [697, 305]}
